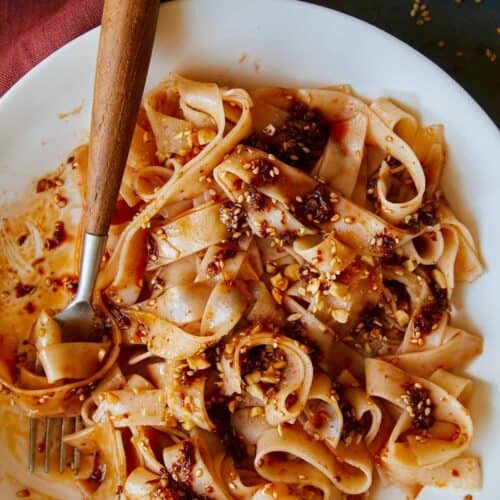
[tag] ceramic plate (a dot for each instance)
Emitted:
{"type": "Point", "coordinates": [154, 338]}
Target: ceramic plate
{"type": "Point", "coordinates": [290, 43]}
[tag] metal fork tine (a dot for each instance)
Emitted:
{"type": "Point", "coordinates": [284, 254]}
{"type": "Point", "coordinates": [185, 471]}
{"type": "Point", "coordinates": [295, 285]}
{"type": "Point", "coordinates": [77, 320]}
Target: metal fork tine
{"type": "Point", "coordinates": [62, 447]}
{"type": "Point", "coordinates": [32, 445]}
{"type": "Point", "coordinates": [76, 452]}
{"type": "Point", "coordinates": [46, 448]}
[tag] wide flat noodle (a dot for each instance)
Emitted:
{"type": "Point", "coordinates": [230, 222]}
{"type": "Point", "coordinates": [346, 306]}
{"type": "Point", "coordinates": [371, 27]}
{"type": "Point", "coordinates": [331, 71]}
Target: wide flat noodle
{"type": "Point", "coordinates": [276, 295]}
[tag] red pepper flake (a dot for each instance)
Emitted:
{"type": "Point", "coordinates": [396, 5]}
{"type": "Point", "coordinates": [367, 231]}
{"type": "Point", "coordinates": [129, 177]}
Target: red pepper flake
{"type": "Point", "coordinates": [233, 217]}
{"type": "Point", "coordinates": [70, 283]}
{"type": "Point", "coordinates": [29, 308]}
{"type": "Point", "coordinates": [187, 377]}
{"type": "Point", "coordinates": [351, 272]}
{"type": "Point", "coordinates": [216, 266]}
{"type": "Point", "coordinates": [38, 261]}
{"type": "Point", "coordinates": [61, 201]}
{"type": "Point", "coordinates": [419, 405]}
{"type": "Point", "coordinates": [21, 239]}
{"type": "Point", "coordinates": [430, 314]}
{"type": "Point", "coordinates": [264, 172]}
{"type": "Point", "coordinates": [23, 289]}
{"type": "Point", "coordinates": [260, 358]}
{"type": "Point", "coordinates": [299, 141]}
{"type": "Point", "coordinates": [238, 184]}
{"type": "Point", "coordinates": [428, 213]}
{"type": "Point", "coordinates": [24, 493]}
{"type": "Point", "coordinates": [338, 131]}
{"type": "Point", "coordinates": [384, 244]}
{"type": "Point", "coordinates": [288, 237]}
{"type": "Point", "coordinates": [314, 208]}
{"type": "Point", "coordinates": [122, 320]}
{"type": "Point", "coordinates": [264, 228]}
{"type": "Point", "coordinates": [44, 185]}
{"type": "Point", "coordinates": [290, 400]}
{"type": "Point", "coordinates": [183, 468]}
{"type": "Point", "coordinates": [425, 217]}
{"type": "Point", "coordinates": [256, 199]}
{"type": "Point", "coordinates": [58, 236]}
{"type": "Point", "coordinates": [319, 418]}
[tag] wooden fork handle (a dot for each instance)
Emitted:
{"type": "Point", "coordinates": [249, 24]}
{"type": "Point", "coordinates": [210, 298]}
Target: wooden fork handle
{"type": "Point", "coordinates": [125, 44]}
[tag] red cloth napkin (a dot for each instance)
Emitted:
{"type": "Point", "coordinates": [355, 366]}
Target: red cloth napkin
{"type": "Point", "coordinates": [30, 30]}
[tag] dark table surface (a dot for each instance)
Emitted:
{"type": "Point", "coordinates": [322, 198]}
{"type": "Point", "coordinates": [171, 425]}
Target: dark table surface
{"type": "Point", "coordinates": [463, 37]}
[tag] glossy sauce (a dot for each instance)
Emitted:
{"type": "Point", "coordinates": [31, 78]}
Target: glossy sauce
{"type": "Point", "coordinates": [37, 273]}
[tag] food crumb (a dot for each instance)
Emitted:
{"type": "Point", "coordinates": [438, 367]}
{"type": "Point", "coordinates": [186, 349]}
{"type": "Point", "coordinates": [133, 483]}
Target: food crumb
{"type": "Point", "coordinates": [256, 66]}
{"type": "Point", "coordinates": [242, 57]}
{"type": "Point", "coordinates": [25, 492]}
{"type": "Point", "coordinates": [73, 112]}
{"type": "Point", "coordinates": [490, 54]}
{"type": "Point", "coordinates": [441, 44]}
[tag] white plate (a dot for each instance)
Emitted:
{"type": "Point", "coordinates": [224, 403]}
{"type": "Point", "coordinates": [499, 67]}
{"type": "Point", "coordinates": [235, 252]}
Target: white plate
{"type": "Point", "coordinates": [290, 43]}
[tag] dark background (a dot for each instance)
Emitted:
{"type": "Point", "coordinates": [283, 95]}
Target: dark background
{"type": "Point", "coordinates": [468, 29]}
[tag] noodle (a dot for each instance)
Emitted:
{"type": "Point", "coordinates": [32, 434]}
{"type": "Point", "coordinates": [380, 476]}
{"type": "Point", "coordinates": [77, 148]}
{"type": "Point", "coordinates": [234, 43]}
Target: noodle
{"type": "Point", "coordinates": [276, 296]}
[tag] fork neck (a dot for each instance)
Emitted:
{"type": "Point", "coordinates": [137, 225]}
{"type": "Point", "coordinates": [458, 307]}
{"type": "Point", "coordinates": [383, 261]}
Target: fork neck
{"type": "Point", "coordinates": [92, 251]}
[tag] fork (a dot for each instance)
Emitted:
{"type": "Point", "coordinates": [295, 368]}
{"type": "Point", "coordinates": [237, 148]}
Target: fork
{"type": "Point", "coordinates": [125, 45]}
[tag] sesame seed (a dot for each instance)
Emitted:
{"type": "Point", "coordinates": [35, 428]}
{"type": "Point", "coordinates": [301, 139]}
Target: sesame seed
{"type": "Point", "coordinates": [269, 129]}
{"type": "Point", "coordinates": [490, 54]}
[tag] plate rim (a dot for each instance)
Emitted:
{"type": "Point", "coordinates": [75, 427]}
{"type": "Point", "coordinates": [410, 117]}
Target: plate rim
{"type": "Point", "coordinates": [401, 48]}
{"type": "Point", "coordinates": [303, 4]}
